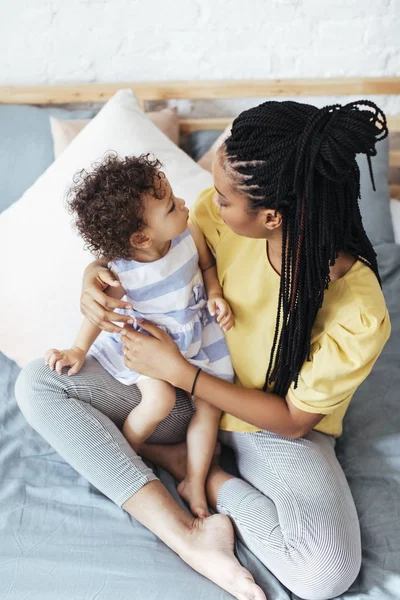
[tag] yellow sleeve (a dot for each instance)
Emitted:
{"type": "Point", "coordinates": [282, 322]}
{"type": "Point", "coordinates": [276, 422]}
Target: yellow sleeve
{"type": "Point", "coordinates": [340, 361]}
{"type": "Point", "coordinates": [204, 214]}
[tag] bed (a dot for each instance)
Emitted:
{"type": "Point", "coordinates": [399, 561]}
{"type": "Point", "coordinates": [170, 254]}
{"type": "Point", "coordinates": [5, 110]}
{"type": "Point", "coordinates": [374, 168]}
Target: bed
{"type": "Point", "coordinates": [60, 538]}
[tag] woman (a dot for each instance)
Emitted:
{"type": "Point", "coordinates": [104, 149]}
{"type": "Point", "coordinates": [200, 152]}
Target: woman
{"type": "Point", "coordinates": [298, 270]}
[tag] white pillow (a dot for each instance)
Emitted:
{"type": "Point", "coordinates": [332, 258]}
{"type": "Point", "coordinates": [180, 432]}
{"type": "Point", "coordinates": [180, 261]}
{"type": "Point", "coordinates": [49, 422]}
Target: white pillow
{"type": "Point", "coordinates": [43, 257]}
{"type": "Point", "coordinates": [395, 210]}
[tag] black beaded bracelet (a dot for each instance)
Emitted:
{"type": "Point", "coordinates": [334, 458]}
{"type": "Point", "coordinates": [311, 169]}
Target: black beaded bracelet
{"type": "Point", "coordinates": [194, 382]}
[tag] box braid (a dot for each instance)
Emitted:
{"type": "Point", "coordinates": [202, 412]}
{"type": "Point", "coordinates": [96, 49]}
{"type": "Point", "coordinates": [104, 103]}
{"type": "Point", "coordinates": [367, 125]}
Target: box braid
{"type": "Point", "coordinates": [300, 161]}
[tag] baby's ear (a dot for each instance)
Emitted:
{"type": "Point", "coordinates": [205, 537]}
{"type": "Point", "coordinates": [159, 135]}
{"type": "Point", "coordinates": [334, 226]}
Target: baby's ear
{"type": "Point", "coordinates": [140, 240]}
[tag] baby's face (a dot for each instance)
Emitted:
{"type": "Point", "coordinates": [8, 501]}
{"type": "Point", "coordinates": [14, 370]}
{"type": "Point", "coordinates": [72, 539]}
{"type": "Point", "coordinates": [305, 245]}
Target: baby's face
{"type": "Point", "coordinates": [167, 217]}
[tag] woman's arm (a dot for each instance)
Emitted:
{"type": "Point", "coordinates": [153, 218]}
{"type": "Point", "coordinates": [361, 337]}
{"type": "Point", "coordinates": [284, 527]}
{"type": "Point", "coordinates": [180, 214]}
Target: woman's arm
{"type": "Point", "coordinates": [97, 305]}
{"type": "Point", "coordinates": [262, 409]}
{"type": "Point", "coordinates": [159, 357]}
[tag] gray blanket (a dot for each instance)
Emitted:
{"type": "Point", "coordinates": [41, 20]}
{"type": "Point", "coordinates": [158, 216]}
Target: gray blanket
{"type": "Point", "coordinates": [63, 540]}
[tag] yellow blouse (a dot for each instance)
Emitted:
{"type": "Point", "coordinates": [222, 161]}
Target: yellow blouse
{"type": "Point", "coordinates": [349, 334]}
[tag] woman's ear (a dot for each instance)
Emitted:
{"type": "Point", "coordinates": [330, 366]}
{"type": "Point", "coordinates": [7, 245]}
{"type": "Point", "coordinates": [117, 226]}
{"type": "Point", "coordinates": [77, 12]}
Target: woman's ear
{"type": "Point", "coordinates": [140, 240]}
{"type": "Point", "coordinates": [271, 219]}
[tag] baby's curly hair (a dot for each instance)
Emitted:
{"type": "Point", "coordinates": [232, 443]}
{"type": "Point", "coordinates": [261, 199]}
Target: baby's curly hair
{"type": "Point", "coordinates": [108, 202]}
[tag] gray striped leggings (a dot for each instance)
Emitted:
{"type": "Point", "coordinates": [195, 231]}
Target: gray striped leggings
{"type": "Point", "coordinates": [292, 508]}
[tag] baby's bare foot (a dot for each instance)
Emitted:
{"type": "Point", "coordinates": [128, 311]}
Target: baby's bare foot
{"type": "Point", "coordinates": [173, 457]}
{"type": "Point", "coordinates": [194, 494]}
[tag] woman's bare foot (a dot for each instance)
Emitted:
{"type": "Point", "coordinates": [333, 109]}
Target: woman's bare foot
{"type": "Point", "coordinates": [173, 457]}
{"type": "Point", "coordinates": [194, 494]}
{"type": "Point", "coordinates": [209, 550]}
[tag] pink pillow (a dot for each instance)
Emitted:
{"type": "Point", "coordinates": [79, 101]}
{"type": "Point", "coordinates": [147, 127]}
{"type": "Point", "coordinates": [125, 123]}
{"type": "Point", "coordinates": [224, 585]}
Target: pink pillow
{"type": "Point", "coordinates": [64, 132]}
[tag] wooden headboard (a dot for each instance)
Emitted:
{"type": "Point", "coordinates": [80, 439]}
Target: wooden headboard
{"type": "Point", "coordinates": [195, 90]}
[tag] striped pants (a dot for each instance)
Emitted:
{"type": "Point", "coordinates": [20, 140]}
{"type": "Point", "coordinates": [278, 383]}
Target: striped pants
{"type": "Point", "coordinates": [292, 506]}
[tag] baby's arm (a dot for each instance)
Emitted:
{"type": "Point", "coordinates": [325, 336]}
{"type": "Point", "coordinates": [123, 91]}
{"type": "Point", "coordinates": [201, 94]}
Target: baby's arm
{"type": "Point", "coordinates": [74, 357]}
{"type": "Point", "coordinates": [88, 332]}
{"type": "Point", "coordinates": [217, 305]}
{"type": "Point", "coordinates": [206, 262]}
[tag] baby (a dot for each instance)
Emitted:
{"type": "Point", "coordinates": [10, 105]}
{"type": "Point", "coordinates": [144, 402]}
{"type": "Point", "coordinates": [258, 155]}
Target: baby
{"type": "Point", "coordinates": [126, 211]}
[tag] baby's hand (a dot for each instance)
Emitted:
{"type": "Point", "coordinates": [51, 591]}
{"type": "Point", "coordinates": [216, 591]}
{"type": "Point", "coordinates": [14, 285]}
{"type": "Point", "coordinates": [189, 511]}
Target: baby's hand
{"type": "Point", "coordinates": [220, 308]}
{"type": "Point", "coordinates": [57, 359]}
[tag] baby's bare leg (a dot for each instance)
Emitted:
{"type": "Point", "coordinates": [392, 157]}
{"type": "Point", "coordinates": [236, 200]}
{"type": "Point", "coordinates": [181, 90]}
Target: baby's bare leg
{"type": "Point", "coordinates": [158, 399]}
{"type": "Point", "coordinates": [201, 439]}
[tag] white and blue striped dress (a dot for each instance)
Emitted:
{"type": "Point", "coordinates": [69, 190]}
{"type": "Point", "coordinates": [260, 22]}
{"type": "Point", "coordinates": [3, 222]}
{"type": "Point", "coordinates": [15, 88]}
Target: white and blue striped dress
{"type": "Point", "coordinates": [169, 292]}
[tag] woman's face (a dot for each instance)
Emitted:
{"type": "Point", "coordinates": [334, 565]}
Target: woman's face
{"type": "Point", "coordinates": [233, 208]}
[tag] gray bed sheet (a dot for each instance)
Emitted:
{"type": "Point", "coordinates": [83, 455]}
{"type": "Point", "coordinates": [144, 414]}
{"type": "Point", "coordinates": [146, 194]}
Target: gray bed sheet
{"type": "Point", "coordinates": [61, 539]}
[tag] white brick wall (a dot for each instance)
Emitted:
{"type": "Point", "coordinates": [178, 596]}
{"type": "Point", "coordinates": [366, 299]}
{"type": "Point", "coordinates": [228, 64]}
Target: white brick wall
{"type": "Point", "coordinates": [53, 41]}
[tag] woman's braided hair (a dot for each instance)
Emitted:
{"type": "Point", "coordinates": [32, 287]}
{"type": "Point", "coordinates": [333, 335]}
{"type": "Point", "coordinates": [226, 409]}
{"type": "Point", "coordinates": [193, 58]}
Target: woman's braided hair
{"type": "Point", "coordinates": [300, 161]}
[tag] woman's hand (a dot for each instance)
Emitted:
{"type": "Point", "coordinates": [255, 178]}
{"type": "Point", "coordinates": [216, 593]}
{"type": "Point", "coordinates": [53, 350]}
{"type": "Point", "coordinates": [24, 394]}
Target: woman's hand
{"type": "Point", "coordinates": [57, 359]}
{"type": "Point", "coordinates": [96, 305]}
{"type": "Point", "coordinates": [157, 356]}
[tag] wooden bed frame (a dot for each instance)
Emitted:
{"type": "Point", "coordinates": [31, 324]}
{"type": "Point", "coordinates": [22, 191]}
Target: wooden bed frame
{"type": "Point", "coordinates": [195, 90]}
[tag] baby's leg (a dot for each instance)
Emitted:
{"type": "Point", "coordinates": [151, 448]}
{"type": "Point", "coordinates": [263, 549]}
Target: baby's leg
{"type": "Point", "coordinates": [201, 439]}
{"type": "Point", "coordinates": [158, 399]}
